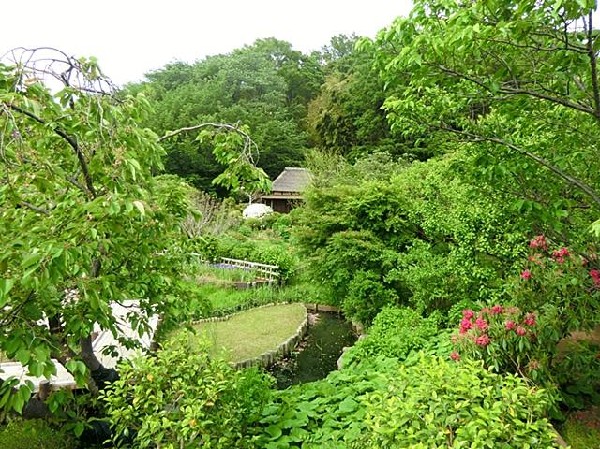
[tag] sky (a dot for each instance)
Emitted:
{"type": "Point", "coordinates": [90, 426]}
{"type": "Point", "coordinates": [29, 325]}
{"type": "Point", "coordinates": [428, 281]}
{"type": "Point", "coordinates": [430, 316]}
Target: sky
{"type": "Point", "coordinates": [133, 37]}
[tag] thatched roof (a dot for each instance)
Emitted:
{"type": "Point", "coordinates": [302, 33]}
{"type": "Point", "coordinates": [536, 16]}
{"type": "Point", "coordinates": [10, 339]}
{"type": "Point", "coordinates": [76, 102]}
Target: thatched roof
{"type": "Point", "coordinates": [291, 180]}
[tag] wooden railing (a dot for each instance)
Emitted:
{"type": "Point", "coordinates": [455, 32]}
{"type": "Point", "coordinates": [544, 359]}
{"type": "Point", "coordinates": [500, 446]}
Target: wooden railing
{"type": "Point", "coordinates": [271, 272]}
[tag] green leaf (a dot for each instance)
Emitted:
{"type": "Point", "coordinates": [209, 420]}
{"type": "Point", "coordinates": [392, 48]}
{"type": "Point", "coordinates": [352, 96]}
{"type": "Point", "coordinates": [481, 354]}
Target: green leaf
{"type": "Point", "coordinates": [140, 206]}
{"type": "Point", "coordinates": [274, 431]}
{"type": "Point", "coordinates": [31, 259]}
{"type": "Point", "coordinates": [596, 228]}
{"type": "Point", "coordinates": [5, 286]}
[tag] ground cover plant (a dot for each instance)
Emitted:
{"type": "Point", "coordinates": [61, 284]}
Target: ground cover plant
{"type": "Point", "coordinates": [26, 434]}
{"type": "Point", "coordinates": [582, 429]}
{"type": "Point", "coordinates": [213, 300]}
{"type": "Point", "coordinates": [223, 274]}
{"type": "Point", "coordinates": [395, 333]}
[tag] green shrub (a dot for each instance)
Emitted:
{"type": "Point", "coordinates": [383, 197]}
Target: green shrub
{"type": "Point", "coordinates": [510, 340]}
{"type": "Point", "coordinates": [395, 333]}
{"type": "Point", "coordinates": [265, 252]}
{"type": "Point", "coordinates": [439, 404]}
{"type": "Point", "coordinates": [577, 372]}
{"type": "Point", "coordinates": [366, 296]}
{"type": "Point", "coordinates": [34, 434]}
{"type": "Point", "coordinates": [183, 398]}
{"type": "Point", "coordinates": [565, 278]}
{"type": "Point", "coordinates": [429, 403]}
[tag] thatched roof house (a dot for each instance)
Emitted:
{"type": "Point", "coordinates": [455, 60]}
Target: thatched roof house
{"type": "Point", "coordinates": [287, 189]}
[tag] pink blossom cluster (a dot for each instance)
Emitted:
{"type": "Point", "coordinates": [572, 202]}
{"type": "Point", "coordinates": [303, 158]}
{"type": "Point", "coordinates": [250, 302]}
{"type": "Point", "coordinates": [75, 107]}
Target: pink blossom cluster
{"type": "Point", "coordinates": [560, 254]}
{"type": "Point", "coordinates": [540, 244]}
{"type": "Point", "coordinates": [595, 275]}
{"type": "Point", "coordinates": [476, 327]}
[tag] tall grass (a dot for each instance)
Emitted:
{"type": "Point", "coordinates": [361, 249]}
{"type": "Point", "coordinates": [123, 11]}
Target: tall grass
{"type": "Point", "coordinates": [215, 300]}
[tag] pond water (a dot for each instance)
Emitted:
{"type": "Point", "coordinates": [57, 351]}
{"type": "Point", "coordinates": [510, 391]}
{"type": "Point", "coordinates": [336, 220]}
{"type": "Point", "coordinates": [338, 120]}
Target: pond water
{"type": "Point", "coordinates": [317, 354]}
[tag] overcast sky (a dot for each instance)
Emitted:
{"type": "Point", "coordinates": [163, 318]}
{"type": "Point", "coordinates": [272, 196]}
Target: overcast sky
{"type": "Point", "coordinates": [132, 37]}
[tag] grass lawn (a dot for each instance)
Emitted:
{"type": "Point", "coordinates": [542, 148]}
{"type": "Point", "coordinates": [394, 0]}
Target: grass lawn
{"type": "Point", "coordinates": [250, 333]}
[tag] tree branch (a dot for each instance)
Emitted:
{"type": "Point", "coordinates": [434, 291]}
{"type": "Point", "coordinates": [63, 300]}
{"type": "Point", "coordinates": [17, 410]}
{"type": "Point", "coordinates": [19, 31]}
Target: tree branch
{"type": "Point", "coordinates": [203, 125]}
{"type": "Point", "coordinates": [248, 142]}
{"type": "Point", "coordinates": [540, 160]}
{"type": "Point", "coordinates": [71, 141]}
{"type": "Point", "coordinates": [538, 47]}
{"type": "Point", "coordinates": [34, 208]}
{"type": "Point", "coordinates": [515, 91]}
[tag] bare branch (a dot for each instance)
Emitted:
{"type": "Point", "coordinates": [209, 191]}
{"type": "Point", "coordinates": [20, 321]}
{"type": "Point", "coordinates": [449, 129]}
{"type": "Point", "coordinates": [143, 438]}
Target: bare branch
{"type": "Point", "coordinates": [44, 62]}
{"type": "Point", "coordinates": [249, 144]}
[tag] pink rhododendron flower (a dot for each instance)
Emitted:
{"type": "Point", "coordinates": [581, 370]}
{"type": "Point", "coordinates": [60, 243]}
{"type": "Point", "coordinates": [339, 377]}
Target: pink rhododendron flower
{"type": "Point", "coordinates": [526, 274]}
{"type": "Point", "coordinates": [465, 325]}
{"type": "Point", "coordinates": [595, 275]}
{"type": "Point", "coordinates": [560, 254]}
{"type": "Point", "coordinates": [481, 324]}
{"type": "Point", "coordinates": [468, 314]}
{"type": "Point", "coordinates": [521, 331]}
{"type": "Point", "coordinates": [539, 242]}
{"type": "Point", "coordinates": [510, 325]}
{"type": "Point", "coordinates": [455, 356]}
{"type": "Point", "coordinates": [497, 309]}
{"type": "Point", "coordinates": [482, 340]}
{"type": "Point", "coordinates": [529, 319]}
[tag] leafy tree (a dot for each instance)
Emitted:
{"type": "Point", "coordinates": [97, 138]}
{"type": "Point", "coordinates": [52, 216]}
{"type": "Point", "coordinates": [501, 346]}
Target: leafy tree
{"type": "Point", "coordinates": [378, 233]}
{"type": "Point", "coordinates": [266, 86]}
{"type": "Point", "coordinates": [516, 81]}
{"type": "Point", "coordinates": [83, 220]}
{"type": "Point", "coordinates": [346, 117]}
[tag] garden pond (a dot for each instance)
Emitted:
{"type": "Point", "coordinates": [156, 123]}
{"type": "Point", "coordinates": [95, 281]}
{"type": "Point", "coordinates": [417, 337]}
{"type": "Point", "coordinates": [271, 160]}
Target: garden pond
{"type": "Point", "coordinates": [317, 354]}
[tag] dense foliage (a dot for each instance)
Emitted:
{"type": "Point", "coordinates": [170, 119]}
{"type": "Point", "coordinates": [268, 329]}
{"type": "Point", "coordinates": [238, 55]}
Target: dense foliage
{"type": "Point", "coordinates": [266, 86]}
{"type": "Point", "coordinates": [502, 80]}
{"type": "Point", "coordinates": [34, 433]}
{"type": "Point", "coordinates": [83, 221]}
{"type": "Point", "coordinates": [415, 235]}
{"type": "Point", "coordinates": [181, 398]}
{"type": "Point", "coordinates": [398, 332]}
{"type": "Point", "coordinates": [429, 403]}
{"type": "Point", "coordinates": [455, 187]}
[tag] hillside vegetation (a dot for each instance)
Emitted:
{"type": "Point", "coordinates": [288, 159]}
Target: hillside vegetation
{"type": "Point", "coordinates": [454, 210]}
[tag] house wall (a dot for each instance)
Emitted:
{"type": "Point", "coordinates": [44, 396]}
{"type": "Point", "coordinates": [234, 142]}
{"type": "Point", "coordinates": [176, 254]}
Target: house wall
{"type": "Point", "coordinates": [281, 205]}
